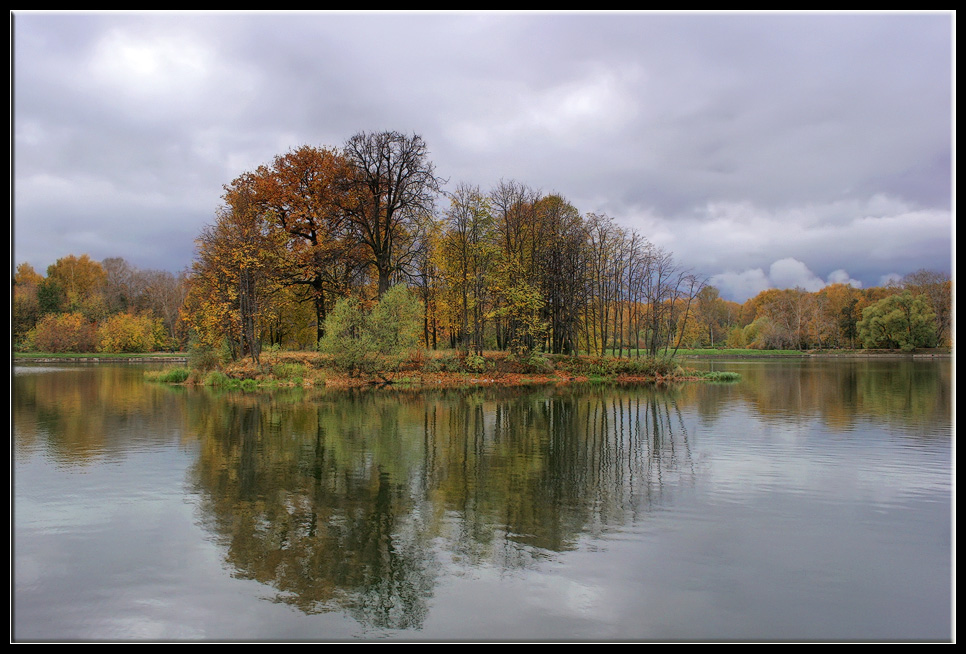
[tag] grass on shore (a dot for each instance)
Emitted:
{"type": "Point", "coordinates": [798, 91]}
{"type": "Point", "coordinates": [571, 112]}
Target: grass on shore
{"type": "Point", "coordinates": [99, 355]}
{"type": "Point", "coordinates": [429, 368]}
{"type": "Point", "coordinates": [738, 352]}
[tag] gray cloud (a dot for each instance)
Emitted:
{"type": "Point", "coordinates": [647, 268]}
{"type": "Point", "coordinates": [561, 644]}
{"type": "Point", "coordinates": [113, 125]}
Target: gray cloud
{"type": "Point", "coordinates": [738, 141]}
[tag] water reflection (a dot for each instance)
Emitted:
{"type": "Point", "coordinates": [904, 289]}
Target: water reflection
{"type": "Point", "coordinates": [81, 414]}
{"type": "Point", "coordinates": [907, 394]}
{"type": "Point", "coordinates": [389, 507]}
{"type": "Point", "coordinates": [346, 500]}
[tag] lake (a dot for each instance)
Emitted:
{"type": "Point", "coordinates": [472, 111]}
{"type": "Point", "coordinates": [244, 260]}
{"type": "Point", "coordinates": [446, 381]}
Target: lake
{"type": "Point", "coordinates": [810, 501]}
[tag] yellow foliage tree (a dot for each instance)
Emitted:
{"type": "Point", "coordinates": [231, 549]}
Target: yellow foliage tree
{"type": "Point", "coordinates": [124, 332]}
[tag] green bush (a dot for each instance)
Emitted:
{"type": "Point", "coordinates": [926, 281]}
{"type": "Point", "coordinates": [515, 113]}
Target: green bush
{"type": "Point", "coordinates": [294, 372]}
{"type": "Point", "coordinates": [538, 363]}
{"type": "Point", "coordinates": [201, 358]}
{"type": "Point", "coordinates": [476, 363]}
{"type": "Point", "coordinates": [348, 339]}
{"type": "Point", "coordinates": [361, 341]}
{"type": "Point", "coordinates": [611, 367]}
{"type": "Point", "coordinates": [445, 363]}
{"type": "Point", "coordinates": [174, 375]}
{"type": "Point", "coordinates": [721, 376]}
{"type": "Point", "coordinates": [216, 378]}
{"type": "Point", "coordinates": [249, 385]}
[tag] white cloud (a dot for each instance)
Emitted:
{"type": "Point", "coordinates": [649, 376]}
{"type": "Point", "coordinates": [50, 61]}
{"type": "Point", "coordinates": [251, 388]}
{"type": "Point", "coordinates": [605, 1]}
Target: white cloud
{"type": "Point", "coordinates": [842, 277]}
{"type": "Point", "coordinates": [810, 146]}
{"type": "Point", "coordinates": [784, 273]}
{"type": "Point", "coordinates": [750, 247]}
{"type": "Point", "coordinates": [149, 66]}
{"type": "Point", "coordinates": [597, 103]}
{"type": "Point", "coordinates": [792, 273]}
{"type": "Point", "coordinates": [739, 286]}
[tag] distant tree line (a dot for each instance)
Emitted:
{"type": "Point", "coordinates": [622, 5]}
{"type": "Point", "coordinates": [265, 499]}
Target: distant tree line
{"type": "Point", "coordinates": [914, 312]}
{"type": "Point", "coordinates": [88, 306]}
{"type": "Point", "coordinates": [508, 268]}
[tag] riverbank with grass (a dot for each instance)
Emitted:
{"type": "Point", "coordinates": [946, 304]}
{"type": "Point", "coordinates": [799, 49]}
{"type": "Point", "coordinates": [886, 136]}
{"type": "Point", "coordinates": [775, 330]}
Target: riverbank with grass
{"type": "Point", "coordinates": [742, 353]}
{"type": "Point", "coordinates": [442, 369]}
{"type": "Point", "coordinates": [423, 369]}
{"type": "Point", "coordinates": [100, 357]}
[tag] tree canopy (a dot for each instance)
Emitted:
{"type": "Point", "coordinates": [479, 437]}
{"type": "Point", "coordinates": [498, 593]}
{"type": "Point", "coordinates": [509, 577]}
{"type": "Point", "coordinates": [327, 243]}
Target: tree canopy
{"type": "Point", "coordinates": [319, 236]}
{"type": "Point", "coordinates": [903, 321]}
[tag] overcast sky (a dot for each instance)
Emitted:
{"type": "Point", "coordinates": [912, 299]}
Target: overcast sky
{"type": "Point", "coordinates": [762, 150]}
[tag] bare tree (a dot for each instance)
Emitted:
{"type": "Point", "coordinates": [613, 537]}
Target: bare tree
{"type": "Point", "coordinates": [392, 184]}
{"type": "Point", "coordinates": [938, 288]}
{"type": "Point", "coordinates": [119, 286]}
{"type": "Point", "coordinates": [560, 267]}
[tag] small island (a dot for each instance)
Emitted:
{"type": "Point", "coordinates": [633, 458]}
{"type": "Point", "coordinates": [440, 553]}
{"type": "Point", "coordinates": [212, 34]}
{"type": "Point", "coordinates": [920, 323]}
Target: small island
{"type": "Point", "coordinates": [420, 369]}
{"type": "Point", "coordinates": [340, 266]}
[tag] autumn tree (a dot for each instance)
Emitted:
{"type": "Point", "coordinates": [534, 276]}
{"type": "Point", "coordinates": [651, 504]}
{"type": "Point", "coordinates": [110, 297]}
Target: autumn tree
{"type": "Point", "coordinates": [120, 284]}
{"type": "Point", "coordinates": [465, 258]}
{"type": "Point", "coordinates": [234, 275]}
{"type": "Point", "coordinates": [518, 301]}
{"type": "Point", "coordinates": [162, 293]}
{"type": "Point", "coordinates": [715, 316]}
{"type": "Point", "coordinates": [26, 306]}
{"type": "Point", "coordinates": [640, 257]}
{"type": "Point", "coordinates": [392, 183]}
{"type": "Point", "coordinates": [290, 318]}
{"type": "Point", "coordinates": [427, 277]}
{"type": "Point", "coordinates": [838, 310]}
{"type": "Point", "coordinates": [691, 330]}
{"type": "Point", "coordinates": [688, 287]}
{"type": "Point", "coordinates": [663, 284]}
{"type": "Point", "coordinates": [789, 311]}
{"type": "Point", "coordinates": [772, 320]}
{"type": "Point", "coordinates": [303, 193]}
{"type": "Point", "coordinates": [849, 321]}
{"type": "Point", "coordinates": [80, 283]}
{"type": "Point", "coordinates": [605, 244]}
{"type": "Point", "coordinates": [560, 264]}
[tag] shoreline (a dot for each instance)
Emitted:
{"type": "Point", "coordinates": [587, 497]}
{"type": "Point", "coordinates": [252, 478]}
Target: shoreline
{"type": "Point", "coordinates": [510, 380]}
{"type": "Point", "coordinates": [19, 358]}
{"type": "Point", "coordinates": [96, 358]}
{"type": "Point", "coordinates": [309, 370]}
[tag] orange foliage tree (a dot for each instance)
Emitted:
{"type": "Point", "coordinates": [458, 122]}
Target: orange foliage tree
{"type": "Point", "coordinates": [303, 194]}
{"type": "Point", "coordinates": [64, 332]}
{"type": "Point", "coordinates": [234, 276]}
{"type": "Point", "coordinates": [26, 306]}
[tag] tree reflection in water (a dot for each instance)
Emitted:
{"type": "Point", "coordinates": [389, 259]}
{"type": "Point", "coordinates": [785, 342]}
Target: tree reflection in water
{"type": "Point", "coordinates": [352, 501]}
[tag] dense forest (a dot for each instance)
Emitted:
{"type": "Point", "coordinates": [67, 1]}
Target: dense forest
{"type": "Point", "coordinates": [301, 239]}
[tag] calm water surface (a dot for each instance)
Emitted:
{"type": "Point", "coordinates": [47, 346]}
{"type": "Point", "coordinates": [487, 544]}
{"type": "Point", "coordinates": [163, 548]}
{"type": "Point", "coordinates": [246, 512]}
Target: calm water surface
{"type": "Point", "coordinates": [812, 500]}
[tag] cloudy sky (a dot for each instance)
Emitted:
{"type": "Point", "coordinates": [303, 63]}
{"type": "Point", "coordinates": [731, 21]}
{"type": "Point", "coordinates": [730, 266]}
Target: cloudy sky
{"type": "Point", "coordinates": [762, 150]}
